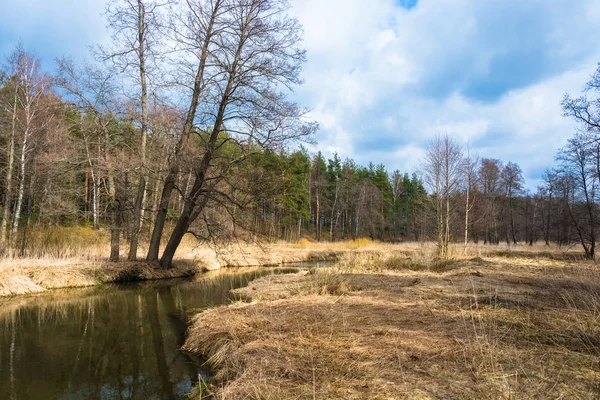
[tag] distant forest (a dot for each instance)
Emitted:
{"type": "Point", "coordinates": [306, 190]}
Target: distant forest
{"type": "Point", "coordinates": [109, 144]}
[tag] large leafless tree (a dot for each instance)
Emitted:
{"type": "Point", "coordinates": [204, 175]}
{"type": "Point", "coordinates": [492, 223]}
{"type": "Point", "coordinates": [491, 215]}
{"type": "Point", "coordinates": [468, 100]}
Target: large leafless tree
{"type": "Point", "coordinates": [255, 55]}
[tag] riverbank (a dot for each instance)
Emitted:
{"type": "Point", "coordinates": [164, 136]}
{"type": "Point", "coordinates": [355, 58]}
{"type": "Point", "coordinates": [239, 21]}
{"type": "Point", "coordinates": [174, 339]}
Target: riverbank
{"type": "Point", "coordinates": [20, 276]}
{"type": "Point", "coordinates": [518, 325]}
{"type": "Point", "coordinates": [35, 278]}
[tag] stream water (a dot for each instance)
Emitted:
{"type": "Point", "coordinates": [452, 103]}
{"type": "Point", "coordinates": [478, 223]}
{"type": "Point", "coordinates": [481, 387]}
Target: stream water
{"type": "Point", "coordinates": [110, 341]}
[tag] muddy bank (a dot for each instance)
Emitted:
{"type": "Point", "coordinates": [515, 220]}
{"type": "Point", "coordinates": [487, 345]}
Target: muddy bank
{"type": "Point", "coordinates": [492, 329]}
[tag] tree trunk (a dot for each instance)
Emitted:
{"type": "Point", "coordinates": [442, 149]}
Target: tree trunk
{"type": "Point", "coordinates": [467, 219]}
{"type": "Point", "coordinates": [190, 212]}
{"type": "Point", "coordinates": [137, 208]}
{"type": "Point", "coordinates": [21, 190]}
{"type": "Point", "coordinates": [318, 216]}
{"type": "Point", "coordinates": [137, 217]}
{"type": "Point", "coordinates": [115, 220]}
{"type": "Point", "coordinates": [192, 207]}
{"type": "Point", "coordinates": [29, 212]}
{"type": "Point", "coordinates": [333, 212]}
{"type": "Point", "coordinates": [161, 217]}
{"type": "Point", "coordinates": [95, 225]}
{"type": "Point", "coordinates": [95, 187]}
{"type": "Point", "coordinates": [9, 172]}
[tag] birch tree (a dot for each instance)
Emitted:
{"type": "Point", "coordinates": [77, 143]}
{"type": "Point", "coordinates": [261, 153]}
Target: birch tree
{"type": "Point", "coordinates": [10, 109]}
{"type": "Point", "coordinates": [443, 170]}
{"type": "Point", "coordinates": [32, 85]}
{"type": "Point", "coordinates": [470, 163]}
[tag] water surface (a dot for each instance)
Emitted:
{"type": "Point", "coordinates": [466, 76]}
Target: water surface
{"type": "Point", "coordinates": [110, 341]}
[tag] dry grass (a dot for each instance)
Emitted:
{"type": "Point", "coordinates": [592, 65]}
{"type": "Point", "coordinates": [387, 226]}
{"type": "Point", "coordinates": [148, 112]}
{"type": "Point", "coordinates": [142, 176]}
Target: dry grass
{"type": "Point", "coordinates": [489, 327]}
{"type": "Point", "coordinates": [324, 281]}
{"type": "Point", "coordinates": [38, 278]}
{"type": "Point", "coordinates": [359, 243]}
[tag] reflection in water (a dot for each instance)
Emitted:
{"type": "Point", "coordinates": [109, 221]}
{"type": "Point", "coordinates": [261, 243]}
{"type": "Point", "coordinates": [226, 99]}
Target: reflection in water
{"type": "Point", "coordinates": [107, 342]}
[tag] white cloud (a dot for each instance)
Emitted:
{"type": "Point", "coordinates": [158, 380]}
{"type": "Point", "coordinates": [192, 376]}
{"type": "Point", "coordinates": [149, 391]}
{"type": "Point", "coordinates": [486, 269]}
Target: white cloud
{"type": "Point", "coordinates": [382, 80]}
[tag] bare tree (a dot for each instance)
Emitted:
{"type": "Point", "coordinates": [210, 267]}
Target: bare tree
{"type": "Point", "coordinates": [545, 194]}
{"type": "Point", "coordinates": [257, 55]}
{"type": "Point", "coordinates": [444, 169]}
{"type": "Point", "coordinates": [471, 163]}
{"type": "Point", "coordinates": [136, 41]}
{"type": "Point", "coordinates": [512, 182]}
{"type": "Point", "coordinates": [489, 178]}
{"type": "Point", "coordinates": [32, 85]}
{"type": "Point", "coordinates": [12, 109]}
{"type": "Point", "coordinates": [584, 110]}
{"type": "Point", "coordinates": [580, 179]}
{"type": "Point", "coordinates": [197, 32]}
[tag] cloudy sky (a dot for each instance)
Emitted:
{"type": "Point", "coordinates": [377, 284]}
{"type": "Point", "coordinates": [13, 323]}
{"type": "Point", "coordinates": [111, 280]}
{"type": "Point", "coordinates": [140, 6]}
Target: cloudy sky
{"type": "Point", "coordinates": [385, 76]}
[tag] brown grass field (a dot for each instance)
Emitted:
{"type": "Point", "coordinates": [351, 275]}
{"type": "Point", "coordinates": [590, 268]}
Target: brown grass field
{"type": "Point", "coordinates": [387, 322]}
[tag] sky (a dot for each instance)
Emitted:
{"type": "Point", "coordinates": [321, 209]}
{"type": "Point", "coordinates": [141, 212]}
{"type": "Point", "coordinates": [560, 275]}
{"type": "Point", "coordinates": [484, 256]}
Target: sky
{"type": "Point", "coordinates": [384, 77]}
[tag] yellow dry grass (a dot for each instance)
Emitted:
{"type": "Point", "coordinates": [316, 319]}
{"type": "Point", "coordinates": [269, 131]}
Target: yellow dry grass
{"type": "Point", "coordinates": [525, 326]}
{"type": "Point", "coordinates": [38, 278]}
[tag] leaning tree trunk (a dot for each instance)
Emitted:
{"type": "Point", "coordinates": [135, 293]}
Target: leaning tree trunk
{"type": "Point", "coordinates": [191, 210]}
{"type": "Point", "coordinates": [193, 207]}
{"type": "Point", "coordinates": [161, 215]}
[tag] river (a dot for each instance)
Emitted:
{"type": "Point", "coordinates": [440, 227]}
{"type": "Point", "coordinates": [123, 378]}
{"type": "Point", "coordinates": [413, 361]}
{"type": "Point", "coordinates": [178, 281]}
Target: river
{"type": "Point", "coordinates": [110, 341]}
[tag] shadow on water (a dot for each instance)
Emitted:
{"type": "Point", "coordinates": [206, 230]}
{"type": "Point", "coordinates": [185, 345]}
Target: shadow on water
{"type": "Point", "coordinates": [111, 341]}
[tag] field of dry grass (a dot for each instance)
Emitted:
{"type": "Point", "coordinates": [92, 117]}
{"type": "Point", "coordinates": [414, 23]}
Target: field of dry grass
{"type": "Point", "coordinates": [496, 323]}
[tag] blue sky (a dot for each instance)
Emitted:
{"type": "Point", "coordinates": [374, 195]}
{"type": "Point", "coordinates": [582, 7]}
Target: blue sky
{"type": "Point", "coordinates": [383, 77]}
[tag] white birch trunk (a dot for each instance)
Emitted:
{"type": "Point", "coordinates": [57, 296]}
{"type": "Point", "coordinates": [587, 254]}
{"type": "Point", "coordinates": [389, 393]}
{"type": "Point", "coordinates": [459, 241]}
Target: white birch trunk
{"type": "Point", "coordinates": [9, 171]}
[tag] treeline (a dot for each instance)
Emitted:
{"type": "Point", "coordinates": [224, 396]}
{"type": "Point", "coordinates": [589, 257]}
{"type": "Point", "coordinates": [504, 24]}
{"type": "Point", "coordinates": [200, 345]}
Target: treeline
{"type": "Point", "coordinates": [331, 199]}
{"type": "Point", "coordinates": [183, 125]}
